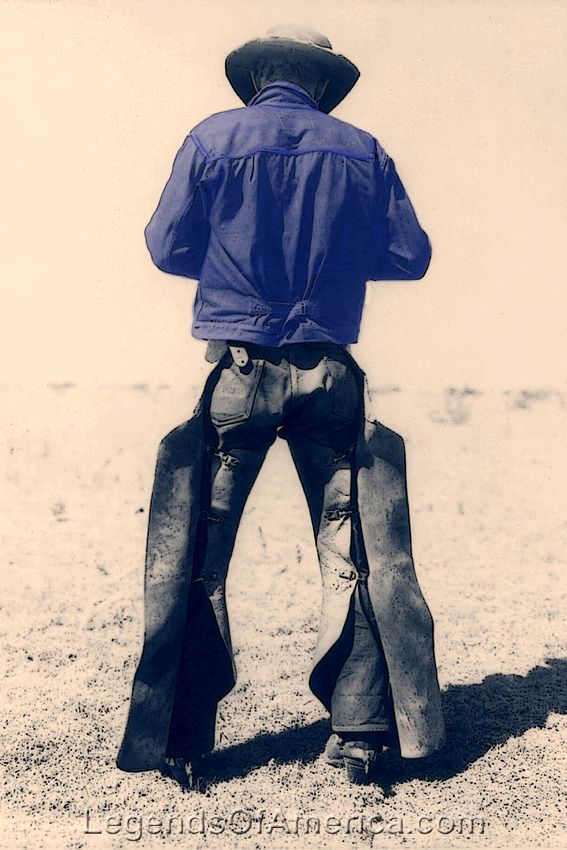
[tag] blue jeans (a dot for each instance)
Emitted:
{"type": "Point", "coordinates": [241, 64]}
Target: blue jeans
{"type": "Point", "coordinates": [310, 395]}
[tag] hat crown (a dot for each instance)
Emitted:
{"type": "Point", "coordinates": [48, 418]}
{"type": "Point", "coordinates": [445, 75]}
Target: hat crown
{"type": "Point", "coordinates": [292, 49]}
{"type": "Point", "coordinates": [299, 32]}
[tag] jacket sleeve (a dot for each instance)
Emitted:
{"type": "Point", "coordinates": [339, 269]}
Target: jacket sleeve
{"type": "Point", "coordinates": [178, 232]}
{"type": "Point", "coordinates": [404, 250]}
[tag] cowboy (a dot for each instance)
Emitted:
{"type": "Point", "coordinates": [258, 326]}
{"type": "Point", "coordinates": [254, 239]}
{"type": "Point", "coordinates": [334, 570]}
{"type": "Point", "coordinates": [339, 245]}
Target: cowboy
{"type": "Point", "coordinates": [283, 213]}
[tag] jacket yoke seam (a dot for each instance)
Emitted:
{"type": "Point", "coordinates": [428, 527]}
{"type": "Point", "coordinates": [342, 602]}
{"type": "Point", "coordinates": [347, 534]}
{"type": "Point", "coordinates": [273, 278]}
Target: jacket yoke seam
{"type": "Point", "coordinates": [286, 152]}
{"type": "Point", "coordinates": [199, 145]}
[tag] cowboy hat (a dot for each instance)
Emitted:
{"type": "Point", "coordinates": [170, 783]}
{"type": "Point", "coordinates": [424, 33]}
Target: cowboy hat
{"type": "Point", "coordinates": [298, 47]}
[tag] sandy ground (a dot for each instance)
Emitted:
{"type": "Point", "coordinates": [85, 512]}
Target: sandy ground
{"type": "Point", "coordinates": [486, 477]}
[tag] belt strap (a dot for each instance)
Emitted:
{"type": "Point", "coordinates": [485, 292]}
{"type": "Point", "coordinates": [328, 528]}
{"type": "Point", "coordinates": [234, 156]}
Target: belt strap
{"type": "Point", "coordinates": [239, 355]}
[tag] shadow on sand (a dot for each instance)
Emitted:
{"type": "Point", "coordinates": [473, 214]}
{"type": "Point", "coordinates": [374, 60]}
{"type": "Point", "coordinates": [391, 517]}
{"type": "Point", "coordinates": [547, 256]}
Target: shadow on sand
{"type": "Point", "coordinates": [478, 717]}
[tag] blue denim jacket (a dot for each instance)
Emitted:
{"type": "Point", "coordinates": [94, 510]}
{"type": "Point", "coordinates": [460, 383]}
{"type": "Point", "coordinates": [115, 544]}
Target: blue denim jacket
{"type": "Point", "coordinates": [283, 213]}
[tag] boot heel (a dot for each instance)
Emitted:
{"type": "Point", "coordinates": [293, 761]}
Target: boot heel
{"type": "Point", "coordinates": [183, 772]}
{"type": "Point", "coordinates": [358, 771]}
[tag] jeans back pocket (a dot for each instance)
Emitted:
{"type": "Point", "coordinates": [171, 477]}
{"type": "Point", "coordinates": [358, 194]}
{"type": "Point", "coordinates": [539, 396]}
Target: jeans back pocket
{"type": "Point", "coordinates": [234, 393]}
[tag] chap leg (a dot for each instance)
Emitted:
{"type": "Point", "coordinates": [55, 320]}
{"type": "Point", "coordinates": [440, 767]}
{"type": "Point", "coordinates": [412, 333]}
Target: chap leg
{"type": "Point", "coordinates": [352, 679]}
{"type": "Point", "coordinates": [207, 655]}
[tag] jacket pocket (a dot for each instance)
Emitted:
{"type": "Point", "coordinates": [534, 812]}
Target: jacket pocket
{"type": "Point", "coordinates": [233, 396]}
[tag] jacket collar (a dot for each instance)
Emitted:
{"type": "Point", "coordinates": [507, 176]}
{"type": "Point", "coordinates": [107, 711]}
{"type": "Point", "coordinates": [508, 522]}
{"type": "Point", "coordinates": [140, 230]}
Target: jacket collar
{"type": "Point", "coordinates": [282, 93]}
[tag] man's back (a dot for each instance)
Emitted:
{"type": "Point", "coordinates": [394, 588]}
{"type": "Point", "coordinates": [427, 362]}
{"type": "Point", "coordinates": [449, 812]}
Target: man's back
{"type": "Point", "coordinates": [283, 213]}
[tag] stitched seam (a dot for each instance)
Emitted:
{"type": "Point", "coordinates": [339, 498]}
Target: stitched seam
{"type": "Point", "coordinates": [287, 106]}
{"type": "Point", "coordinates": [285, 152]}
{"type": "Point", "coordinates": [200, 322]}
{"type": "Point", "coordinates": [381, 155]}
{"type": "Point", "coordinates": [199, 144]}
{"type": "Point", "coordinates": [175, 232]}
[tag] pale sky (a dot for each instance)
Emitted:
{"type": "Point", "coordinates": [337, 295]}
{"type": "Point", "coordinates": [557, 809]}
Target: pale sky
{"type": "Point", "coordinates": [469, 98]}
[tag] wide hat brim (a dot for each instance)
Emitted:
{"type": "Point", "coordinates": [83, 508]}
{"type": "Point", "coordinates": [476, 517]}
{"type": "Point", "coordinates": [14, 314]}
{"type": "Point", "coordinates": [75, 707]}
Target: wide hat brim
{"type": "Point", "coordinates": [249, 59]}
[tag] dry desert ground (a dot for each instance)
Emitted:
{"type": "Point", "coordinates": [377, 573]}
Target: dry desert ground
{"type": "Point", "coordinates": [487, 473]}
